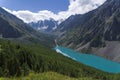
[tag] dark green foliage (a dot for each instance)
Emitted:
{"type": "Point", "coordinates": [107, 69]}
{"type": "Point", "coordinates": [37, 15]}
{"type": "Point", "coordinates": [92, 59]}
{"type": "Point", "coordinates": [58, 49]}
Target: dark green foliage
{"type": "Point", "coordinates": [20, 59]}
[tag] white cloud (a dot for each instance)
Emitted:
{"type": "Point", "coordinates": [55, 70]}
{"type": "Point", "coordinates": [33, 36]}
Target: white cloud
{"type": "Point", "coordinates": [75, 7]}
{"type": "Point", "coordinates": [28, 16]}
{"type": "Point", "coordinates": [83, 6]}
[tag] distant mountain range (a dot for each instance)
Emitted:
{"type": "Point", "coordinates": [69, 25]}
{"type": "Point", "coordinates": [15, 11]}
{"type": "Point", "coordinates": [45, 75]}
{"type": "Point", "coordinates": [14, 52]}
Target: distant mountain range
{"type": "Point", "coordinates": [46, 26]}
{"type": "Point", "coordinates": [97, 31]}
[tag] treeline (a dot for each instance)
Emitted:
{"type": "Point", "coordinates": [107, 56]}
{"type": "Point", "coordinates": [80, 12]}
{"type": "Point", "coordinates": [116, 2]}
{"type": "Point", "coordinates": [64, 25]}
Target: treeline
{"type": "Point", "coordinates": [19, 59]}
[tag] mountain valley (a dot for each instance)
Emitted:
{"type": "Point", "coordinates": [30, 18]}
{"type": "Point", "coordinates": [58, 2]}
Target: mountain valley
{"type": "Point", "coordinates": [28, 50]}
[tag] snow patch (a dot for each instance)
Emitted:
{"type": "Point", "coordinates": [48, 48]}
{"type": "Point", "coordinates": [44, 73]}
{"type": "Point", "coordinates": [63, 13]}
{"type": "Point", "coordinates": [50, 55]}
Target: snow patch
{"type": "Point", "coordinates": [43, 28]}
{"type": "Point", "coordinates": [54, 27]}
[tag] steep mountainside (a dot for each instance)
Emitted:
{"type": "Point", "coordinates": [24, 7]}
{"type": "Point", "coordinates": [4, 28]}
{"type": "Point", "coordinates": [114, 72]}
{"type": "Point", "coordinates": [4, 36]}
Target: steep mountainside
{"type": "Point", "coordinates": [46, 26]}
{"type": "Point", "coordinates": [94, 31]}
{"type": "Point", "coordinates": [12, 27]}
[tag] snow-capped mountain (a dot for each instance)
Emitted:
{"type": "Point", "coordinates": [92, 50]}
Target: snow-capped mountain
{"type": "Point", "coordinates": [46, 26]}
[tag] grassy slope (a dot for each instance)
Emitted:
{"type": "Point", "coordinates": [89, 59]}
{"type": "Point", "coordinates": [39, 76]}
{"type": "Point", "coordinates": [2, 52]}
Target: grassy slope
{"type": "Point", "coordinates": [46, 76]}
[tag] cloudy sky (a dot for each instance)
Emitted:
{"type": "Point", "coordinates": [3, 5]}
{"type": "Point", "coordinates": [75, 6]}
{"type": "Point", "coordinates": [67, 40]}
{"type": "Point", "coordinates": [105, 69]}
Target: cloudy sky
{"type": "Point", "coordinates": [35, 10]}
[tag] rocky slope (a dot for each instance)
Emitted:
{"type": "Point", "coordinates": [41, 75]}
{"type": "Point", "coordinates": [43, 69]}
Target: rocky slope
{"type": "Point", "coordinates": [94, 31]}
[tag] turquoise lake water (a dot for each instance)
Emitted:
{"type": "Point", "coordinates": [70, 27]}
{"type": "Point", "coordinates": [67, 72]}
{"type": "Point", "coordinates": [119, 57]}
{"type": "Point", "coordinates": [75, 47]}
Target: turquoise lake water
{"type": "Point", "coordinates": [90, 60]}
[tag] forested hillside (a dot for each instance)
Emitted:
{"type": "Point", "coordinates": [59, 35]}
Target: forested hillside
{"type": "Point", "coordinates": [20, 59]}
